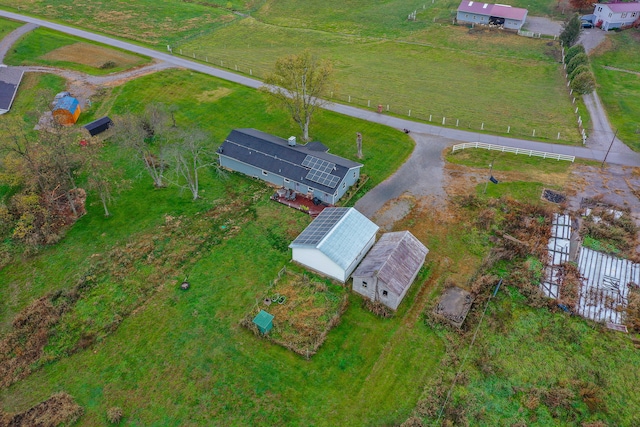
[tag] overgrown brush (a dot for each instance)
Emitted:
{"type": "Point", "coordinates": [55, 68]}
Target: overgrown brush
{"type": "Point", "coordinates": [59, 409]}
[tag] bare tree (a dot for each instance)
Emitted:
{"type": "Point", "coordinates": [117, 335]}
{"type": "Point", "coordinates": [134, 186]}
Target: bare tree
{"type": "Point", "coordinates": [103, 177]}
{"type": "Point", "coordinates": [298, 83]}
{"type": "Point", "coordinates": [188, 154]}
{"type": "Point", "coordinates": [359, 144]}
{"type": "Point", "coordinates": [146, 135]}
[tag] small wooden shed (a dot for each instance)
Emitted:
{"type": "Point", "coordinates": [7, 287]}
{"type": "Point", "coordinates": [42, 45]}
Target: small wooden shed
{"type": "Point", "coordinates": [66, 110]}
{"type": "Point", "coordinates": [264, 321]}
{"type": "Point", "coordinates": [98, 126]}
{"type": "Point", "coordinates": [387, 272]}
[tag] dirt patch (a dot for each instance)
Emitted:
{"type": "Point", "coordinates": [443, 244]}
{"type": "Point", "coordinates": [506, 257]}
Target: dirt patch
{"type": "Point", "coordinates": [59, 409]}
{"type": "Point", "coordinates": [213, 95]}
{"type": "Point", "coordinates": [92, 55]}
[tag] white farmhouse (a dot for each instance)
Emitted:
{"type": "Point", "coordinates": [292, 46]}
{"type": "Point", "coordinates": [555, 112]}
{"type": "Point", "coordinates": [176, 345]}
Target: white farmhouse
{"type": "Point", "coordinates": [616, 15]}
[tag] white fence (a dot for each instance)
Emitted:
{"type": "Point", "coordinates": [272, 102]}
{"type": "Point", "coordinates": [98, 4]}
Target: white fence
{"type": "Point", "coordinates": [505, 149]}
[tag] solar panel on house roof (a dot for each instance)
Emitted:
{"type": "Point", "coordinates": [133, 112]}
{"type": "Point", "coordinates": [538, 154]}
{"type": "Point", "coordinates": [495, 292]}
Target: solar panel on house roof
{"type": "Point", "coordinates": [318, 229]}
{"type": "Point", "coordinates": [323, 178]}
{"type": "Point", "coordinates": [318, 164]}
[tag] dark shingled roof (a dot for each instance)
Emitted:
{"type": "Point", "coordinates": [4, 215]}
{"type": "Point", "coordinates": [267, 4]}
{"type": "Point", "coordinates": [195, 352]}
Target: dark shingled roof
{"type": "Point", "coordinates": [9, 81]}
{"type": "Point", "coordinates": [98, 126]}
{"type": "Point", "coordinates": [395, 257]}
{"type": "Point", "coordinates": [273, 154]}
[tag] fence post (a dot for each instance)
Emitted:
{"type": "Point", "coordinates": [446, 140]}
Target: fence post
{"type": "Point", "coordinates": [443, 121]}
{"type": "Point", "coordinates": [576, 110]}
{"type": "Point", "coordinates": [429, 117]}
{"type": "Point", "coordinates": [369, 104]}
{"type": "Point", "coordinates": [180, 51]}
{"type": "Point", "coordinates": [409, 113]}
{"type": "Point", "coordinates": [457, 120]}
{"type": "Point", "coordinates": [482, 126]}
{"type": "Point", "coordinates": [508, 129]}
{"type": "Point", "coordinates": [349, 98]}
{"type": "Point", "coordinates": [558, 135]}
{"type": "Point", "coordinates": [250, 72]}
{"type": "Point", "coordinates": [387, 107]}
{"type": "Point", "coordinates": [194, 55]}
{"type": "Point", "coordinates": [534, 133]}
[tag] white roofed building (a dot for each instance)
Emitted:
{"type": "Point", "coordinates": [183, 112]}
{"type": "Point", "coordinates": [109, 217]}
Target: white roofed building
{"type": "Point", "coordinates": [335, 242]}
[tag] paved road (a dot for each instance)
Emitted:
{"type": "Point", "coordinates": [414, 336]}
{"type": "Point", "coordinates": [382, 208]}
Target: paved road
{"type": "Point", "coordinates": [601, 134]}
{"type": "Point", "coordinates": [12, 37]}
{"type": "Point", "coordinates": [419, 176]}
{"type": "Point", "coordinates": [626, 159]}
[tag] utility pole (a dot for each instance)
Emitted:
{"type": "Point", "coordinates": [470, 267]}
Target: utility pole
{"type": "Point", "coordinates": [490, 175]}
{"type": "Point", "coordinates": [605, 156]}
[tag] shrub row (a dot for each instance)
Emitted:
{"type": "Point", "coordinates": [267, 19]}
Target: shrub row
{"type": "Point", "coordinates": [577, 65]}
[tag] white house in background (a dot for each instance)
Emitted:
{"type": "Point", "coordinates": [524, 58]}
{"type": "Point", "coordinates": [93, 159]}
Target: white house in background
{"type": "Point", "coordinates": [502, 15]}
{"type": "Point", "coordinates": [335, 242]}
{"type": "Point", "coordinates": [616, 15]}
{"type": "Point", "coordinates": [387, 272]}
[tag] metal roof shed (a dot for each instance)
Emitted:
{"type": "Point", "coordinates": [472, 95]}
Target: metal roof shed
{"type": "Point", "coordinates": [264, 321]}
{"type": "Point", "coordinates": [10, 79]}
{"type": "Point", "coordinates": [387, 272]}
{"type": "Point", "coordinates": [335, 242]}
{"type": "Point", "coordinates": [98, 126]}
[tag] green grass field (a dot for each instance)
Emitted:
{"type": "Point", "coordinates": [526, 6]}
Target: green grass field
{"type": "Point", "coordinates": [537, 368]}
{"type": "Point", "coordinates": [429, 70]}
{"type": "Point", "coordinates": [179, 357]}
{"type": "Point", "coordinates": [38, 48]}
{"type": "Point", "coordinates": [617, 89]}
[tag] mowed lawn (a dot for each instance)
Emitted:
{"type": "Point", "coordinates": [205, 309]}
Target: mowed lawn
{"type": "Point", "coordinates": [619, 89]}
{"type": "Point", "coordinates": [181, 358]}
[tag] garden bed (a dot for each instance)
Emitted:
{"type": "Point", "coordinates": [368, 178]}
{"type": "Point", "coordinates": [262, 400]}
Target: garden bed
{"type": "Point", "coordinates": [305, 309]}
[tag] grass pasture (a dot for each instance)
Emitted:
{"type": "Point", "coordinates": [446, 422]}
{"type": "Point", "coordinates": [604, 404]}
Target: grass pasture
{"type": "Point", "coordinates": [485, 80]}
{"type": "Point", "coordinates": [156, 23]}
{"type": "Point", "coordinates": [51, 48]}
{"type": "Point", "coordinates": [618, 89]}
{"type": "Point", "coordinates": [428, 70]}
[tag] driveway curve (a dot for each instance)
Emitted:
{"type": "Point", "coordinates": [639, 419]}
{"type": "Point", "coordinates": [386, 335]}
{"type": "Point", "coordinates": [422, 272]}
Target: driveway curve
{"type": "Point", "coordinates": [419, 176]}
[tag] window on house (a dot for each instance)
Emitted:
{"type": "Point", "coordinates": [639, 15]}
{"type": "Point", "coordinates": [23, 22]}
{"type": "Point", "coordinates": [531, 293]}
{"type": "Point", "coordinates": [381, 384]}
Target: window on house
{"type": "Point", "coordinates": [384, 293]}
{"type": "Point", "coordinates": [466, 15]}
{"type": "Point", "coordinates": [344, 185]}
{"type": "Point", "coordinates": [354, 175]}
{"type": "Point", "coordinates": [287, 180]}
{"type": "Point", "coordinates": [624, 15]}
{"type": "Point", "coordinates": [610, 15]}
{"type": "Point", "coordinates": [599, 9]}
{"type": "Point", "coordinates": [364, 284]}
{"type": "Point", "coordinates": [264, 173]}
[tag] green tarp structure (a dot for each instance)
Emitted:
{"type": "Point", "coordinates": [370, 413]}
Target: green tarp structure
{"type": "Point", "coordinates": [264, 321]}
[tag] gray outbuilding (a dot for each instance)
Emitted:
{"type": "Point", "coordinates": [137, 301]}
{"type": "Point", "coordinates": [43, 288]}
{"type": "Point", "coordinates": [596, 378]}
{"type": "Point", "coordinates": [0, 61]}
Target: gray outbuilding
{"type": "Point", "coordinates": [387, 272]}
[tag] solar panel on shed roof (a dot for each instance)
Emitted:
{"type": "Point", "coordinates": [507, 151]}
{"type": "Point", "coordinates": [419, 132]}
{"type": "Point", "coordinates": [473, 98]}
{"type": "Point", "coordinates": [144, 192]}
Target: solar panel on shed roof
{"type": "Point", "coordinates": [318, 229]}
{"type": "Point", "coordinates": [323, 178]}
{"type": "Point", "coordinates": [318, 164]}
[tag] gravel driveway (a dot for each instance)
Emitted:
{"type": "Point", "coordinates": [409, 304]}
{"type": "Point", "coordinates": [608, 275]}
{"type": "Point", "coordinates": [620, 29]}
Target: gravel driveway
{"type": "Point", "coordinates": [542, 25]}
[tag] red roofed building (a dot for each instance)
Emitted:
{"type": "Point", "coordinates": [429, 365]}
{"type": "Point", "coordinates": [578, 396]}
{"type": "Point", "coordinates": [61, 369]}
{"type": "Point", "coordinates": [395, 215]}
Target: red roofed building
{"type": "Point", "coordinates": [505, 16]}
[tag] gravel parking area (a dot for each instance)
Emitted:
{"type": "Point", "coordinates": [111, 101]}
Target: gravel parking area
{"type": "Point", "coordinates": [542, 25]}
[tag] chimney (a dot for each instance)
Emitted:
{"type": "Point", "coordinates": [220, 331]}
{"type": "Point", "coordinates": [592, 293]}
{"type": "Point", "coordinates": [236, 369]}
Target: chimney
{"type": "Point", "coordinates": [292, 141]}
